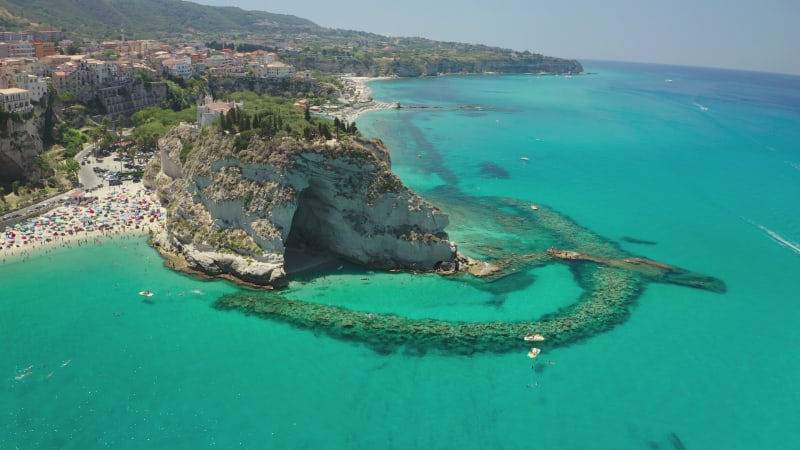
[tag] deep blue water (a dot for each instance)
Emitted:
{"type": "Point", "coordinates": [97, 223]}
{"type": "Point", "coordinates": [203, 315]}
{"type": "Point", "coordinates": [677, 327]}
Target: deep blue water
{"type": "Point", "coordinates": [705, 166]}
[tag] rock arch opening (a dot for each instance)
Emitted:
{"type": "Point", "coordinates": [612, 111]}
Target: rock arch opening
{"type": "Point", "coordinates": [308, 245]}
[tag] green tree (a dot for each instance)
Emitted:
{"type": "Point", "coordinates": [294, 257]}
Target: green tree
{"type": "Point", "coordinates": [49, 117]}
{"type": "Point", "coordinates": [15, 185]}
{"type": "Point", "coordinates": [149, 132]}
{"type": "Point", "coordinates": [95, 134]}
{"type": "Point", "coordinates": [42, 163]}
{"type": "Point", "coordinates": [68, 97]}
{"type": "Point", "coordinates": [72, 166]}
{"type": "Point", "coordinates": [182, 94]}
{"type": "Point", "coordinates": [324, 130]}
{"type": "Point", "coordinates": [72, 140]}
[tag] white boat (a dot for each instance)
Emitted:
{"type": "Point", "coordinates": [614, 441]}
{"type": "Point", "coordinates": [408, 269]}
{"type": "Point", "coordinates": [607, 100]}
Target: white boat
{"type": "Point", "coordinates": [525, 158]}
{"type": "Point", "coordinates": [534, 207]}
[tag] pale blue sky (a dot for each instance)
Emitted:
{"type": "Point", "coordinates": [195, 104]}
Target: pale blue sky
{"type": "Point", "coordinates": [761, 35]}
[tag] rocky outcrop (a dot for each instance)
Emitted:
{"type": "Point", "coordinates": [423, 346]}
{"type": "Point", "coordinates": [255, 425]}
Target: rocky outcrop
{"type": "Point", "coordinates": [20, 144]}
{"type": "Point", "coordinates": [259, 212]}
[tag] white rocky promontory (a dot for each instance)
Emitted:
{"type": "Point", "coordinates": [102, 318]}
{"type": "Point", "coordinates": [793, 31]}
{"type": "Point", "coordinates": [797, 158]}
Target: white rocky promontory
{"type": "Point", "coordinates": [235, 207]}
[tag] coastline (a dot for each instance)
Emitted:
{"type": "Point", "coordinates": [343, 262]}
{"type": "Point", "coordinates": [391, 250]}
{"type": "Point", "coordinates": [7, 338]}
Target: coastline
{"type": "Point", "coordinates": [109, 214]}
{"type": "Point", "coordinates": [360, 101]}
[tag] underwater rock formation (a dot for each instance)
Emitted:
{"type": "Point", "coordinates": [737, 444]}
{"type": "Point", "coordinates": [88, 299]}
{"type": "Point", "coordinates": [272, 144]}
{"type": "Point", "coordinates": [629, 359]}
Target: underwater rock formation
{"type": "Point", "coordinates": [611, 281]}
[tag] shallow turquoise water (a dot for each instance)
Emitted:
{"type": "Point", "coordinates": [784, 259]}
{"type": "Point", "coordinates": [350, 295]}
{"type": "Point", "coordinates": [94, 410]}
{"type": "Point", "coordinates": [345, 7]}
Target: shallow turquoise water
{"type": "Point", "coordinates": [622, 152]}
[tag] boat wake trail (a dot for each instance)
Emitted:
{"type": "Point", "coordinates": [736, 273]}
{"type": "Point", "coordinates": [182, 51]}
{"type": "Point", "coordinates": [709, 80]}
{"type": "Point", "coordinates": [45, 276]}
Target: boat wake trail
{"type": "Point", "coordinates": [794, 246]}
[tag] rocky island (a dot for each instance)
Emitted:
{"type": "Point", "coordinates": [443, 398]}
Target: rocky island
{"type": "Point", "coordinates": [257, 213]}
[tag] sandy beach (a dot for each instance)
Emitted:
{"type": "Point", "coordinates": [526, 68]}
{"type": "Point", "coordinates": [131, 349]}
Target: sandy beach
{"type": "Point", "coordinates": [105, 213]}
{"type": "Point", "coordinates": [359, 98]}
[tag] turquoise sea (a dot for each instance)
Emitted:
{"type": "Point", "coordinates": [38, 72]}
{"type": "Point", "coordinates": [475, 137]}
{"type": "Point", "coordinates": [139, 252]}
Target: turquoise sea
{"type": "Point", "coordinates": [696, 168]}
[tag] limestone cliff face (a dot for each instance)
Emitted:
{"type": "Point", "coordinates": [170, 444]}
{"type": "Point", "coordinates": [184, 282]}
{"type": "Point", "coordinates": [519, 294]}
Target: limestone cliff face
{"type": "Point", "coordinates": [20, 144]}
{"type": "Point", "coordinates": [235, 212]}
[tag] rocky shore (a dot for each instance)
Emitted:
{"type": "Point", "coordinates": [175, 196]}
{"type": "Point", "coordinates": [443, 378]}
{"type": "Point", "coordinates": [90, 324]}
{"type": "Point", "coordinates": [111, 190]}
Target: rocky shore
{"type": "Point", "coordinates": [235, 214]}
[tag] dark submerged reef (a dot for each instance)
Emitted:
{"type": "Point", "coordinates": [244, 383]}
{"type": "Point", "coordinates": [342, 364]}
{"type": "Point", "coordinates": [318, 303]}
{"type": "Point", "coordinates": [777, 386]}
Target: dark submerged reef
{"type": "Point", "coordinates": [508, 233]}
{"type": "Point", "coordinates": [491, 170]}
{"type": "Point", "coordinates": [634, 240]}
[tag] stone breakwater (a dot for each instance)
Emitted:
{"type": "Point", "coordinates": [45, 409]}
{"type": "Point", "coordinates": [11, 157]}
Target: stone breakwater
{"type": "Point", "coordinates": [611, 279]}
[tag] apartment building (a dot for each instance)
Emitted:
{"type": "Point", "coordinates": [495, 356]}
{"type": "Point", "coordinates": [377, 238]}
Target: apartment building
{"type": "Point", "coordinates": [273, 70]}
{"type": "Point", "coordinates": [178, 67]}
{"type": "Point", "coordinates": [43, 48]}
{"type": "Point", "coordinates": [24, 73]}
{"type": "Point", "coordinates": [220, 60]}
{"type": "Point", "coordinates": [30, 65]}
{"type": "Point", "coordinates": [15, 100]}
{"type": "Point", "coordinates": [17, 49]}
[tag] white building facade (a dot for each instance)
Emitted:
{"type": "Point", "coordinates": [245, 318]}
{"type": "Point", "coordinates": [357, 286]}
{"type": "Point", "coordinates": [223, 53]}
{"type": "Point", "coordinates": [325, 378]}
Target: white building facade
{"type": "Point", "coordinates": [16, 100]}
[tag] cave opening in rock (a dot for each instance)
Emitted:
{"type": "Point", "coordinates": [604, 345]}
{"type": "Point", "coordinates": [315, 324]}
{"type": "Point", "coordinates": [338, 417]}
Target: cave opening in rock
{"type": "Point", "coordinates": [9, 171]}
{"type": "Point", "coordinates": [307, 246]}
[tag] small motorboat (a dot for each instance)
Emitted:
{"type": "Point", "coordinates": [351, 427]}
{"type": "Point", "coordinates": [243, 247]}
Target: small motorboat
{"type": "Point", "coordinates": [534, 207]}
{"type": "Point", "coordinates": [525, 158]}
{"type": "Point", "coordinates": [534, 352]}
{"type": "Point", "coordinates": [146, 294]}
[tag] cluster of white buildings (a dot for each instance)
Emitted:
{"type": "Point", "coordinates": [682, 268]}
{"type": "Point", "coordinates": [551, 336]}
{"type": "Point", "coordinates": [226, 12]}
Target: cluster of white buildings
{"type": "Point", "coordinates": [260, 64]}
{"type": "Point", "coordinates": [22, 81]}
{"type": "Point", "coordinates": [26, 70]}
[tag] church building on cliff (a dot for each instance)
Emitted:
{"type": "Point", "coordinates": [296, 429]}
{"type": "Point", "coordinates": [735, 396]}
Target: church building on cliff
{"type": "Point", "coordinates": [208, 110]}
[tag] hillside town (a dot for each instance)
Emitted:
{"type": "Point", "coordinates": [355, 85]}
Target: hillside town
{"type": "Point", "coordinates": [112, 72]}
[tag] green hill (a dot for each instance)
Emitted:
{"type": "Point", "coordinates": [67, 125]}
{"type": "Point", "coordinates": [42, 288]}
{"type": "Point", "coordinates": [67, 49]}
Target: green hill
{"type": "Point", "coordinates": [144, 18]}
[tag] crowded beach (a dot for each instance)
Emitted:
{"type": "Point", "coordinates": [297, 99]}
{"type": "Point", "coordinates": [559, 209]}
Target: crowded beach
{"type": "Point", "coordinates": [84, 217]}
